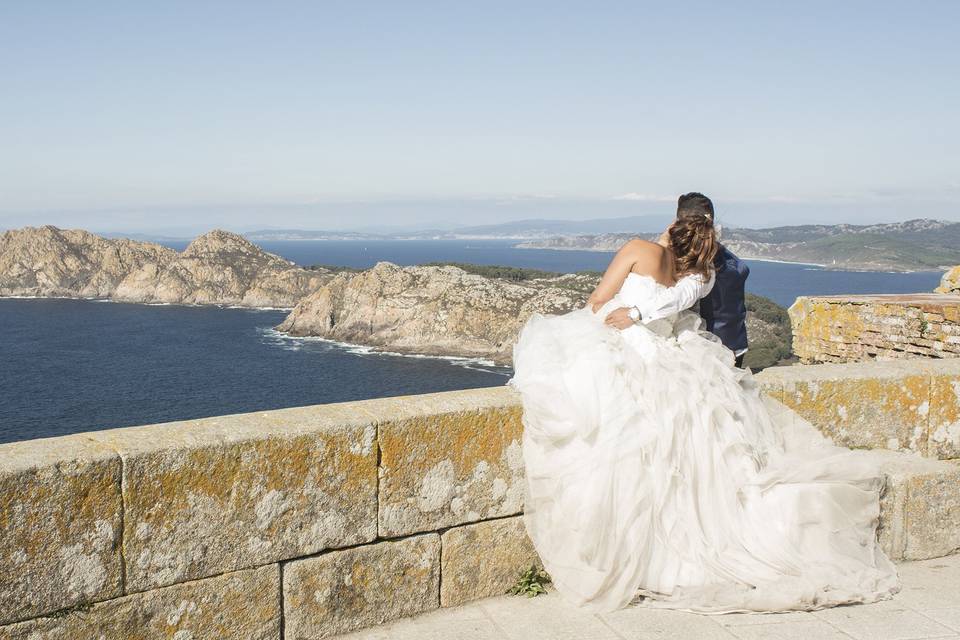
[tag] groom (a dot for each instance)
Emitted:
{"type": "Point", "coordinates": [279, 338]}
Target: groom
{"type": "Point", "coordinates": [724, 308]}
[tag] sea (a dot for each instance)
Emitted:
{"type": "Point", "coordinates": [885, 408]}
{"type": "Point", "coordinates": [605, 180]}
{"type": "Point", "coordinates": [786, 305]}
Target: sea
{"type": "Point", "coordinates": [69, 366]}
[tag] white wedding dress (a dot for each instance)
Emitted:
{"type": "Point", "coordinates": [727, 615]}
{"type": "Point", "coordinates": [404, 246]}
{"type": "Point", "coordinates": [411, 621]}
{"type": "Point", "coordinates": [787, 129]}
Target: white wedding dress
{"type": "Point", "coordinates": [655, 472]}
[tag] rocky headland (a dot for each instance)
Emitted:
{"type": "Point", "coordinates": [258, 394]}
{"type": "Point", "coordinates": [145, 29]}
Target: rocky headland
{"type": "Point", "coordinates": [439, 310]}
{"type": "Point", "coordinates": [217, 268]}
{"type": "Point", "coordinates": [447, 310]}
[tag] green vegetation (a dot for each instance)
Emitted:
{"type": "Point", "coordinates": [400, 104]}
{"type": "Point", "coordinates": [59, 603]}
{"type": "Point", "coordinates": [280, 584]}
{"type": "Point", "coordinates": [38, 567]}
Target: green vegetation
{"type": "Point", "coordinates": [515, 274]}
{"type": "Point", "coordinates": [773, 344]}
{"type": "Point", "coordinates": [531, 582]}
{"type": "Point", "coordinates": [333, 268]}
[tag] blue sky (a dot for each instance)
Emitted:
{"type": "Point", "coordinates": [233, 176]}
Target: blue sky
{"type": "Point", "coordinates": [179, 116]}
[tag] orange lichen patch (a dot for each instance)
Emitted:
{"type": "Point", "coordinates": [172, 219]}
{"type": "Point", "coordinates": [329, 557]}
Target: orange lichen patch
{"type": "Point", "coordinates": [944, 425]}
{"type": "Point", "coordinates": [816, 318]}
{"type": "Point", "coordinates": [448, 468]}
{"type": "Point", "coordinates": [466, 438]}
{"type": "Point", "coordinates": [883, 412]}
{"type": "Point", "coordinates": [244, 604]}
{"type": "Point", "coordinates": [59, 524]}
{"type": "Point", "coordinates": [856, 328]}
{"type": "Point", "coordinates": [950, 282]}
{"type": "Point", "coordinates": [227, 505]}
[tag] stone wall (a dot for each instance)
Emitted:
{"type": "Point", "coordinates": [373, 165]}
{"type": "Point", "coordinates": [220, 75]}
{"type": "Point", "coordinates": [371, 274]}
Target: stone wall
{"type": "Point", "coordinates": [298, 523]}
{"type": "Point", "coordinates": [310, 522]}
{"type": "Point", "coordinates": [885, 327]}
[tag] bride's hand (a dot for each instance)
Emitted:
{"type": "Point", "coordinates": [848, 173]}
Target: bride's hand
{"type": "Point", "coordinates": [619, 318]}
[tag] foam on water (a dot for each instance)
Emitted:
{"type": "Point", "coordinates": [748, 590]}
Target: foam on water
{"type": "Point", "coordinates": [295, 343]}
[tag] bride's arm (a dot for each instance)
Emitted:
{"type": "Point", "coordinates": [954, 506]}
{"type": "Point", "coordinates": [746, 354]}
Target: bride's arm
{"type": "Point", "coordinates": [683, 295]}
{"type": "Point", "coordinates": [616, 272]}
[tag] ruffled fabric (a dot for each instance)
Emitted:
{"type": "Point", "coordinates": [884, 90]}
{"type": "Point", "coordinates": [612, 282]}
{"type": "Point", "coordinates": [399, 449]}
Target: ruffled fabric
{"type": "Point", "coordinates": [655, 471]}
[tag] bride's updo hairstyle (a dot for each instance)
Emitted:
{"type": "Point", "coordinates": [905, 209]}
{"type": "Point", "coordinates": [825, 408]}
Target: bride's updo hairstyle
{"type": "Point", "coordinates": [693, 237]}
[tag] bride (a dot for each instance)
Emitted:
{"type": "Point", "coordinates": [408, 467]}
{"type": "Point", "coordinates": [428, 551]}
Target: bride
{"type": "Point", "coordinates": [655, 472]}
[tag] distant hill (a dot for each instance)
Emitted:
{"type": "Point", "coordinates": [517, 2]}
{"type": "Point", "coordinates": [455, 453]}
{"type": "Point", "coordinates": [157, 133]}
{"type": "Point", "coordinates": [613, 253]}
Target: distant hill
{"type": "Point", "coordinates": [542, 228]}
{"type": "Point", "coordinates": [515, 230]}
{"type": "Point", "coordinates": [914, 245]}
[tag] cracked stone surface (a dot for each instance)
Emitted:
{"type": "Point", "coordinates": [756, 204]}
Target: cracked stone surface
{"type": "Point", "coordinates": [483, 559]}
{"type": "Point", "coordinates": [60, 525]}
{"type": "Point", "coordinates": [448, 459]}
{"type": "Point", "coordinates": [203, 497]}
{"type": "Point", "coordinates": [244, 605]}
{"type": "Point", "coordinates": [353, 588]}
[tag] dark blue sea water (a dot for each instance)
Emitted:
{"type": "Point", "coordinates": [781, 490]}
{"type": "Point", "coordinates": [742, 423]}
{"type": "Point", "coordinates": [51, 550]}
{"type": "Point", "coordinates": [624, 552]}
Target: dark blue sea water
{"type": "Point", "coordinates": [73, 365]}
{"type": "Point", "coordinates": [78, 365]}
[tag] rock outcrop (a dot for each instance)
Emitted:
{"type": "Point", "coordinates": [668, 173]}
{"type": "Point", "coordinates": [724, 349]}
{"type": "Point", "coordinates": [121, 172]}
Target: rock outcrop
{"type": "Point", "coordinates": [431, 310]}
{"type": "Point", "coordinates": [886, 327]}
{"type": "Point", "coordinates": [444, 310]}
{"type": "Point", "coordinates": [950, 283]}
{"type": "Point", "coordinates": [216, 268]}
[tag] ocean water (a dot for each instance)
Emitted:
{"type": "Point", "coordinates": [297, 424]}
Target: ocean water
{"type": "Point", "coordinates": [69, 366]}
{"type": "Point", "coordinates": [79, 365]}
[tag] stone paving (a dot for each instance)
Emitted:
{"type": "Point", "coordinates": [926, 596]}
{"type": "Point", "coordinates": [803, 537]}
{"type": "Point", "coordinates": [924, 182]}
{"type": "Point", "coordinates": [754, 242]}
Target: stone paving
{"type": "Point", "coordinates": [928, 606]}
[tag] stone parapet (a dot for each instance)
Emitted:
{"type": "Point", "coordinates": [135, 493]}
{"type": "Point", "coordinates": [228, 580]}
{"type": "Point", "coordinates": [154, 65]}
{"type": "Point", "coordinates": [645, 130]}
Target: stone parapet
{"type": "Point", "coordinates": [61, 525]}
{"type": "Point", "coordinates": [906, 405]}
{"type": "Point", "coordinates": [884, 327]}
{"type": "Point", "coordinates": [243, 605]}
{"type": "Point", "coordinates": [314, 521]}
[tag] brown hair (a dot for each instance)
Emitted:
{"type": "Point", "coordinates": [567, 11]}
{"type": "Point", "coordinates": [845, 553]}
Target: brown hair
{"type": "Point", "coordinates": [694, 244]}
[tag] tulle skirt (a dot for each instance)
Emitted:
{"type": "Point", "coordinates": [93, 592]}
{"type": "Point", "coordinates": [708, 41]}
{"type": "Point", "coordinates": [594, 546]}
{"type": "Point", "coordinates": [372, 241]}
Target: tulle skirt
{"type": "Point", "coordinates": [656, 473]}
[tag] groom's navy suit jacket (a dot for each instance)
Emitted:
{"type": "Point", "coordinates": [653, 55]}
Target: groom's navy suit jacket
{"type": "Point", "coordinates": [725, 309]}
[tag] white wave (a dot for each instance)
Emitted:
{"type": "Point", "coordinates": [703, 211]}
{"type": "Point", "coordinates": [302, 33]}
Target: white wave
{"type": "Point", "coordinates": [474, 363]}
{"type": "Point", "coordinates": [238, 306]}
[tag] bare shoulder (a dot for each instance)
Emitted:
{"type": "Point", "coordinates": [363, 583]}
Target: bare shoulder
{"type": "Point", "coordinates": [640, 248]}
{"type": "Point", "coordinates": [646, 256]}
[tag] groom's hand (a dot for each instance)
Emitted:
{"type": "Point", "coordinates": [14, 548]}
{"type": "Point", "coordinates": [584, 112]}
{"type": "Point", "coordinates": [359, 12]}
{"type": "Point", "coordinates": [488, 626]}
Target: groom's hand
{"type": "Point", "coordinates": [619, 318]}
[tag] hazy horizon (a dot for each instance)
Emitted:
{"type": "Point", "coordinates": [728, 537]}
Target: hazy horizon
{"type": "Point", "coordinates": [142, 118]}
{"type": "Point", "coordinates": [444, 215]}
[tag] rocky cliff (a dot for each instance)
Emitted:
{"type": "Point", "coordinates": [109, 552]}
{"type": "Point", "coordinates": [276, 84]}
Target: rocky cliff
{"type": "Point", "coordinates": [431, 310]}
{"type": "Point", "coordinates": [446, 310]}
{"type": "Point", "coordinates": [217, 268]}
{"type": "Point", "coordinates": [950, 283]}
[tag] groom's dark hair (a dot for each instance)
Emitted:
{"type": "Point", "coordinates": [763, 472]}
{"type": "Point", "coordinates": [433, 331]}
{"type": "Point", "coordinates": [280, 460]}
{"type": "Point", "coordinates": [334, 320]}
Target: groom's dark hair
{"type": "Point", "coordinates": [694, 204]}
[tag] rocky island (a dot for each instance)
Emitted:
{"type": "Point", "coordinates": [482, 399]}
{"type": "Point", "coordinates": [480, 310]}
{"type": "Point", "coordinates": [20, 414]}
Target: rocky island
{"type": "Point", "coordinates": [219, 268]}
{"type": "Point", "coordinates": [442, 309]}
{"type": "Point", "coordinates": [464, 311]}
